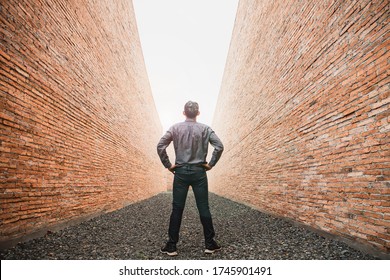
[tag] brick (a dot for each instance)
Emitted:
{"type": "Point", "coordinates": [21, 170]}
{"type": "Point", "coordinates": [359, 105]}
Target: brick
{"type": "Point", "coordinates": [328, 106]}
{"type": "Point", "coordinates": [70, 120]}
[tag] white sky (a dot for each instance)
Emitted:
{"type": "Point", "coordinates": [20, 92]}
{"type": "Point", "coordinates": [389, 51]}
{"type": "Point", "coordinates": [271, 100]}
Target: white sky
{"type": "Point", "coordinates": [185, 45]}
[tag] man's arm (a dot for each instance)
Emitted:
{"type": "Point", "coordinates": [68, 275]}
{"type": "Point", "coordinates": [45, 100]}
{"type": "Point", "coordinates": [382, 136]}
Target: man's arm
{"type": "Point", "coordinates": [218, 149]}
{"type": "Point", "coordinates": [162, 149]}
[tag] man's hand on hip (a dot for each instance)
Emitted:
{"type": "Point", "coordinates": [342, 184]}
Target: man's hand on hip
{"type": "Point", "coordinates": [172, 168]}
{"type": "Point", "coordinates": [207, 166]}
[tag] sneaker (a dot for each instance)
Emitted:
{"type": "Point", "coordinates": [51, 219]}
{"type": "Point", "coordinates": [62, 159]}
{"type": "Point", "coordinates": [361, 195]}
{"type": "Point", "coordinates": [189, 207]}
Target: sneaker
{"type": "Point", "coordinates": [213, 247]}
{"type": "Point", "coordinates": [169, 249]}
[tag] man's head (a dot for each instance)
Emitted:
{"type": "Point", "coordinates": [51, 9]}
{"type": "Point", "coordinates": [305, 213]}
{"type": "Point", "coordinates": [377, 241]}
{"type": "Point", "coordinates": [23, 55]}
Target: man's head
{"type": "Point", "coordinates": [191, 109]}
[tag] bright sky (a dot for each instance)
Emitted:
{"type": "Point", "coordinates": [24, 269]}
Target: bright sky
{"type": "Point", "coordinates": [185, 45]}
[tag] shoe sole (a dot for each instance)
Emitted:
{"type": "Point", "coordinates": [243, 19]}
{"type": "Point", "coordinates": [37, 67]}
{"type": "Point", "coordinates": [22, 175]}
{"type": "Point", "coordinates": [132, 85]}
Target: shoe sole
{"type": "Point", "coordinates": [171, 254]}
{"type": "Point", "coordinates": [208, 251]}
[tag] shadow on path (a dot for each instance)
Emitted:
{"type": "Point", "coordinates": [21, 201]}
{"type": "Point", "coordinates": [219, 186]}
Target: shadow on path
{"type": "Point", "coordinates": [139, 230]}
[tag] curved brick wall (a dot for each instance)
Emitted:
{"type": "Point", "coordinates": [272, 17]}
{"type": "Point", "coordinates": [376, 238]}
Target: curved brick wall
{"type": "Point", "coordinates": [304, 115]}
{"type": "Point", "coordinates": [78, 123]}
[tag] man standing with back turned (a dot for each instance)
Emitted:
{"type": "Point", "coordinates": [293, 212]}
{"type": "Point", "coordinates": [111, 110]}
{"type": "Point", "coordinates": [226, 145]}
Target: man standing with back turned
{"type": "Point", "coordinates": [190, 140]}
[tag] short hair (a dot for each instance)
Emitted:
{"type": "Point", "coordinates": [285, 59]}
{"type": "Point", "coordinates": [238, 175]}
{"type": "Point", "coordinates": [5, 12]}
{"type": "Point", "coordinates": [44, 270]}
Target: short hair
{"type": "Point", "coordinates": [191, 109]}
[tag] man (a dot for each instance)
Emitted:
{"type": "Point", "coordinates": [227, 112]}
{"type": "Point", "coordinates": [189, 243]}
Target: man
{"type": "Point", "coordinates": [190, 141]}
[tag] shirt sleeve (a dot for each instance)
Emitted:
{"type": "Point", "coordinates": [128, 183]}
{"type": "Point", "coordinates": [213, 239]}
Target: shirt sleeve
{"type": "Point", "coordinates": [162, 149]}
{"type": "Point", "coordinates": [218, 148]}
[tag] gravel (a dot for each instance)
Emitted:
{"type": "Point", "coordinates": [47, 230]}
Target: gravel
{"type": "Point", "coordinates": [139, 230]}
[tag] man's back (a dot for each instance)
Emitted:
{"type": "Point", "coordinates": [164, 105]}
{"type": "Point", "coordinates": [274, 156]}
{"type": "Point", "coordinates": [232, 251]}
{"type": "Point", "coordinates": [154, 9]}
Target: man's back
{"type": "Point", "coordinates": [190, 140]}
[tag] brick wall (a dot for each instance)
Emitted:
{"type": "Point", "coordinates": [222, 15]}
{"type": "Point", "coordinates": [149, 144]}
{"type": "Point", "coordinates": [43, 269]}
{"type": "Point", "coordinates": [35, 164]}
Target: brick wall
{"type": "Point", "coordinates": [304, 115]}
{"type": "Point", "coordinates": [78, 125]}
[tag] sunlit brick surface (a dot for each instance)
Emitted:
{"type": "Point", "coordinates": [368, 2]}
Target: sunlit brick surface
{"type": "Point", "coordinates": [78, 123]}
{"type": "Point", "coordinates": [304, 115]}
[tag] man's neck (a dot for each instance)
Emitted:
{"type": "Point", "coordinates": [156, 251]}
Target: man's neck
{"type": "Point", "coordinates": [190, 119]}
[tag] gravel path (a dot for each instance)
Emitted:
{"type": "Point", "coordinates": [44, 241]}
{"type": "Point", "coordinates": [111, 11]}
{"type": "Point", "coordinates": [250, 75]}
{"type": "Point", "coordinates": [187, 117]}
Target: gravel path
{"type": "Point", "coordinates": [139, 230]}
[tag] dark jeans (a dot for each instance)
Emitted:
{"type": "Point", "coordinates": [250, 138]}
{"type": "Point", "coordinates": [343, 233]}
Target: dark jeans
{"type": "Point", "coordinates": [196, 177]}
